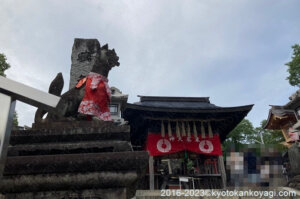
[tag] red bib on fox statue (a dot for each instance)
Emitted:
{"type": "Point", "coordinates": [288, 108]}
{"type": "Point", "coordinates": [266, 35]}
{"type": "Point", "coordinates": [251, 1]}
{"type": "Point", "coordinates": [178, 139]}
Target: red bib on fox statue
{"type": "Point", "coordinates": [96, 97]}
{"type": "Point", "coordinates": [97, 92]}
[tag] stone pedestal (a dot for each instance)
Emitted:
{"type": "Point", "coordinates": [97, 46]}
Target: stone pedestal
{"type": "Point", "coordinates": [79, 159]}
{"type": "Point", "coordinates": [294, 158]}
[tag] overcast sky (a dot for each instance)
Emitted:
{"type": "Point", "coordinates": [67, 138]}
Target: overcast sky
{"type": "Point", "coordinates": [232, 51]}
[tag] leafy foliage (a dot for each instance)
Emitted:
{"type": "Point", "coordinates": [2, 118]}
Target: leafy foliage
{"type": "Point", "coordinates": [3, 64]}
{"type": "Point", "coordinates": [15, 120]}
{"type": "Point", "coordinates": [240, 134]}
{"type": "Point", "coordinates": [245, 133]}
{"type": "Point", "coordinates": [294, 67]}
{"type": "Point", "coordinates": [269, 136]}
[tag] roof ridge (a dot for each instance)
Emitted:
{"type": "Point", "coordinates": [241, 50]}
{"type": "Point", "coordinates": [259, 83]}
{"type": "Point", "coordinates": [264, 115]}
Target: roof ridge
{"type": "Point", "coordinates": [174, 99]}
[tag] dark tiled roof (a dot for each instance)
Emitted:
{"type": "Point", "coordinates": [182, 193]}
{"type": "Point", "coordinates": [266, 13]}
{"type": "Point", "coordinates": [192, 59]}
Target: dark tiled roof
{"type": "Point", "coordinates": [279, 116]}
{"type": "Point", "coordinates": [177, 103]}
{"type": "Point", "coordinates": [181, 104]}
{"type": "Point", "coordinates": [174, 99]}
{"type": "Point", "coordinates": [226, 118]}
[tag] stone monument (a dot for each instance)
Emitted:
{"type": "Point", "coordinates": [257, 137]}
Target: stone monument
{"type": "Point", "coordinates": [66, 156]}
{"type": "Point", "coordinates": [91, 58]}
{"type": "Point", "coordinates": [83, 57]}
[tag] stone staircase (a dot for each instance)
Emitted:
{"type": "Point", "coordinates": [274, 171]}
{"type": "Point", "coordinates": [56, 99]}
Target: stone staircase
{"type": "Point", "coordinates": [79, 159]}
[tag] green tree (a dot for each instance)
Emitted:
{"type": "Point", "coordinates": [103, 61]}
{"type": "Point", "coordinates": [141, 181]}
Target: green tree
{"type": "Point", "coordinates": [243, 133]}
{"type": "Point", "coordinates": [4, 66]}
{"type": "Point", "coordinates": [294, 67]}
{"type": "Point", "coordinates": [15, 120]}
{"type": "Point", "coordinates": [268, 136]}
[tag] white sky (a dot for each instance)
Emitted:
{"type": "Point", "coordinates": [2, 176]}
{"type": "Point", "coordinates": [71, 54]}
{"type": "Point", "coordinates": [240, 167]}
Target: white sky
{"type": "Point", "coordinates": [233, 51]}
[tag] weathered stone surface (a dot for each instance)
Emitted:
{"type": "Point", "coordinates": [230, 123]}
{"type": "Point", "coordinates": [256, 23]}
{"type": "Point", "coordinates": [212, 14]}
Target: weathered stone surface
{"type": "Point", "coordinates": [69, 136]}
{"type": "Point", "coordinates": [83, 58]}
{"type": "Point", "coordinates": [55, 88]}
{"type": "Point", "coordinates": [294, 182]}
{"type": "Point", "coordinates": [87, 56]}
{"type": "Point", "coordinates": [116, 193]}
{"type": "Point", "coordinates": [76, 163]}
{"type": "Point", "coordinates": [59, 158]}
{"type": "Point", "coordinates": [57, 85]}
{"type": "Point", "coordinates": [69, 181]}
{"type": "Point", "coordinates": [294, 157]}
{"type": "Point", "coordinates": [69, 148]}
{"type": "Point", "coordinates": [108, 126]}
{"type": "Point", "coordinates": [77, 131]}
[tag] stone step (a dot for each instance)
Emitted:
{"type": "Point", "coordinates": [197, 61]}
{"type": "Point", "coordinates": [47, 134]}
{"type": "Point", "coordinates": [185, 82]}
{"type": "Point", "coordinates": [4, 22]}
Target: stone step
{"type": "Point", "coordinates": [69, 135]}
{"type": "Point", "coordinates": [67, 181]}
{"type": "Point", "coordinates": [104, 125]}
{"type": "Point", "coordinates": [109, 193]}
{"type": "Point", "coordinates": [69, 148]}
{"type": "Point", "coordinates": [72, 163]}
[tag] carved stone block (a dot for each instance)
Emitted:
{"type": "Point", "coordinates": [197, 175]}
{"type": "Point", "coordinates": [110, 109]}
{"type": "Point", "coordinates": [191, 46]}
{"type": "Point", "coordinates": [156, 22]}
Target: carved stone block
{"type": "Point", "coordinates": [83, 58]}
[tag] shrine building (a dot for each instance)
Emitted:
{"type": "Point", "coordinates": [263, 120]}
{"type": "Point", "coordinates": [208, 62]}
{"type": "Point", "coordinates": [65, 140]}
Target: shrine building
{"type": "Point", "coordinates": [183, 136]}
{"type": "Point", "coordinates": [282, 119]}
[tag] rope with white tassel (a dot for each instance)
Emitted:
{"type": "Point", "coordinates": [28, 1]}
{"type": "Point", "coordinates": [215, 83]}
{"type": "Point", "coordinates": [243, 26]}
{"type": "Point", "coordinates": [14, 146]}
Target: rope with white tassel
{"type": "Point", "coordinates": [183, 129]}
{"type": "Point", "coordinates": [188, 132]}
{"type": "Point", "coordinates": [195, 132]}
{"type": "Point", "coordinates": [169, 129]}
{"type": "Point", "coordinates": [178, 131]}
{"type": "Point", "coordinates": [163, 134]}
{"type": "Point", "coordinates": [202, 130]}
{"type": "Point", "coordinates": [210, 133]}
